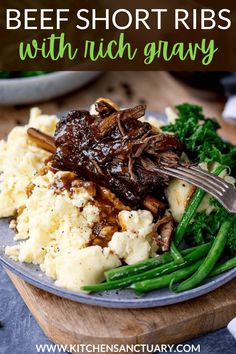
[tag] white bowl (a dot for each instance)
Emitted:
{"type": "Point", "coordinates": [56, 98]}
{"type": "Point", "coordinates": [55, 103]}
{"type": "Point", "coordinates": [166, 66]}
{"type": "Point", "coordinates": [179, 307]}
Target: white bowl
{"type": "Point", "coordinates": [43, 87]}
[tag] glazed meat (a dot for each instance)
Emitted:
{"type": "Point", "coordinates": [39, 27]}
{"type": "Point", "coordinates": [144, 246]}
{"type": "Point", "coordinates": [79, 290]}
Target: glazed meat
{"type": "Point", "coordinates": [114, 149]}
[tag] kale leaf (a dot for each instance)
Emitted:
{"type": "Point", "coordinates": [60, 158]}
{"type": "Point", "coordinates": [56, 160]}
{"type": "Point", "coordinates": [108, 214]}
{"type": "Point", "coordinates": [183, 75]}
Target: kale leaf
{"type": "Point", "coordinates": [19, 74]}
{"type": "Point", "coordinates": [200, 138]}
{"type": "Point", "coordinates": [205, 227]}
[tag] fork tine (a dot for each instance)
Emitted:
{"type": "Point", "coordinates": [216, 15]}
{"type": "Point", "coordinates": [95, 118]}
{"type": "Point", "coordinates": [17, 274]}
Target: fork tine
{"type": "Point", "coordinates": [191, 179]}
{"type": "Point", "coordinates": [217, 179]}
{"type": "Point", "coordinates": [207, 177]}
{"type": "Point", "coordinates": [218, 191]}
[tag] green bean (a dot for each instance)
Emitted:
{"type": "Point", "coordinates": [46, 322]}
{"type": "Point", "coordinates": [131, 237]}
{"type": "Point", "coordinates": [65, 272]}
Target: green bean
{"type": "Point", "coordinates": [191, 209]}
{"type": "Point", "coordinates": [161, 270]}
{"type": "Point", "coordinates": [223, 267]}
{"type": "Point", "coordinates": [176, 255]}
{"type": "Point", "coordinates": [209, 262]}
{"type": "Point", "coordinates": [166, 280]}
{"type": "Point", "coordinates": [129, 270]}
{"type": "Point", "coordinates": [187, 217]}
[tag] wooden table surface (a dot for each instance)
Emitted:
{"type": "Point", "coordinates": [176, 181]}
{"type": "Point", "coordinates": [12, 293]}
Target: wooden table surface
{"type": "Point", "coordinates": [157, 89]}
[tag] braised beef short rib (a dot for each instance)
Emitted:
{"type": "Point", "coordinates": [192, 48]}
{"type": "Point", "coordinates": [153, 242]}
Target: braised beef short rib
{"type": "Point", "coordinates": [116, 150]}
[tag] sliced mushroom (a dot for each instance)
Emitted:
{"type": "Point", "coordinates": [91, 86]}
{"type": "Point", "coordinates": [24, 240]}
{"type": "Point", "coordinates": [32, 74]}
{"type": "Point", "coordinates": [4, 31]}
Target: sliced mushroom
{"type": "Point", "coordinates": [105, 125]}
{"type": "Point", "coordinates": [105, 106]}
{"type": "Point", "coordinates": [153, 204]}
{"type": "Point", "coordinates": [163, 231]}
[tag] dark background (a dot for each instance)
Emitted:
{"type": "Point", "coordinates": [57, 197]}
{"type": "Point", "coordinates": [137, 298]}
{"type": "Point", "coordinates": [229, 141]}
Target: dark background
{"type": "Point", "coordinates": [225, 40]}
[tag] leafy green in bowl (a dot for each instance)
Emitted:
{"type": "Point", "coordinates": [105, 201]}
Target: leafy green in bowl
{"type": "Point", "coordinates": [20, 74]}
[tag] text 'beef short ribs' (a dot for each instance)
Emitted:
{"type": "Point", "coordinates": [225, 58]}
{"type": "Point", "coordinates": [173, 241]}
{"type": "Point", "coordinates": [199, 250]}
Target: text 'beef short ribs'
{"type": "Point", "coordinates": [116, 150]}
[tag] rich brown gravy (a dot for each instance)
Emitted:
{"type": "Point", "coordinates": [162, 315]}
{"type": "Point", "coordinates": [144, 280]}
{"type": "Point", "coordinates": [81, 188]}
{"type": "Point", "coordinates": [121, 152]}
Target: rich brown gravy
{"type": "Point", "coordinates": [109, 207]}
{"type": "Point", "coordinates": [107, 203]}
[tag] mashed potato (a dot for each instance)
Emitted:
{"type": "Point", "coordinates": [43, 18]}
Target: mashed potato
{"type": "Point", "coordinates": [55, 224]}
{"type": "Point", "coordinates": [90, 263]}
{"type": "Point", "coordinates": [20, 160]}
{"type": "Point", "coordinates": [134, 243]}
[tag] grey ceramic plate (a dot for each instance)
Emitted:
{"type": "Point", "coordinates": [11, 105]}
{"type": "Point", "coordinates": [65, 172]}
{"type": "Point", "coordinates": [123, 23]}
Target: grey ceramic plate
{"type": "Point", "coordinates": [44, 87]}
{"type": "Point", "coordinates": [114, 299]}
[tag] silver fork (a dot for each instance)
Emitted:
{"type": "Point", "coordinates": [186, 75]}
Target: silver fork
{"type": "Point", "coordinates": [224, 192]}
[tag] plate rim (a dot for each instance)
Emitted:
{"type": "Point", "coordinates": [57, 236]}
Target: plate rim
{"type": "Point", "coordinates": [138, 303]}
